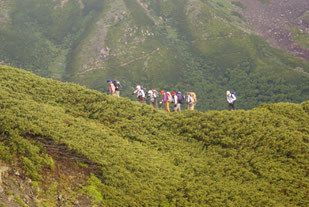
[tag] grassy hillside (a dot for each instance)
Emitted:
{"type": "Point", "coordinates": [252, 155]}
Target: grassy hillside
{"type": "Point", "coordinates": [201, 46]}
{"type": "Point", "coordinates": [146, 157]}
{"type": "Point", "coordinates": [39, 34]}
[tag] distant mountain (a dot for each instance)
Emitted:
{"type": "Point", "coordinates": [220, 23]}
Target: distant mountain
{"type": "Point", "coordinates": [181, 45]}
{"type": "Point", "coordinates": [64, 145]}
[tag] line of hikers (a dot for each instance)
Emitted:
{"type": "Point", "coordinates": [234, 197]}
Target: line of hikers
{"type": "Point", "coordinates": [168, 97]}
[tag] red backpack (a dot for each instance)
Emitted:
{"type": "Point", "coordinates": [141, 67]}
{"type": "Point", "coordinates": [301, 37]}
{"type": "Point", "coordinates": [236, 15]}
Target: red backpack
{"type": "Point", "coordinates": [169, 97]}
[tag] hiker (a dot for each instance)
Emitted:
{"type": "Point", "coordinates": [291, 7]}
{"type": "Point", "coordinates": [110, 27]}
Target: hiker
{"type": "Point", "coordinates": [231, 99]}
{"type": "Point", "coordinates": [112, 88]}
{"type": "Point", "coordinates": [191, 100]}
{"type": "Point", "coordinates": [118, 87]}
{"type": "Point", "coordinates": [165, 100]}
{"type": "Point", "coordinates": [169, 97]}
{"type": "Point", "coordinates": [180, 100]}
{"type": "Point", "coordinates": [153, 95]}
{"type": "Point", "coordinates": [140, 93]}
{"type": "Point", "coordinates": [175, 101]}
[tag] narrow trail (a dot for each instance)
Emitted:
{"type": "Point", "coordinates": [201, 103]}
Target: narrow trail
{"type": "Point", "coordinates": [87, 71]}
{"type": "Point", "coordinates": [148, 12]}
{"type": "Point", "coordinates": [139, 58]}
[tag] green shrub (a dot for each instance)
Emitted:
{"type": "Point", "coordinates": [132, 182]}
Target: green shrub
{"type": "Point", "coordinates": [5, 153]}
{"type": "Point", "coordinates": [20, 201]}
{"type": "Point", "coordinates": [31, 170]}
{"type": "Point", "coordinates": [35, 186]}
{"type": "Point", "coordinates": [94, 188]}
{"type": "Point", "coordinates": [239, 4]}
{"type": "Point", "coordinates": [237, 14]}
{"type": "Point", "coordinates": [83, 165]}
{"type": "Point", "coordinates": [144, 156]}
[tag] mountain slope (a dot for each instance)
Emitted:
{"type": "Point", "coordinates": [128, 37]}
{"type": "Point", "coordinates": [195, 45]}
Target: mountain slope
{"type": "Point", "coordinates": [144, 156]}
{"type": "Point", "coordinates": [285, 24]}
{"type": "Point", "coordinates": [196, 45]}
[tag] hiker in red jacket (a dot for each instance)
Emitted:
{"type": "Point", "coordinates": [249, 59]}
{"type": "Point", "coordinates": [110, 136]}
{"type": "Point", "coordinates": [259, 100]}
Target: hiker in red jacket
{"type": "Point", "coordinates": [112, 88]}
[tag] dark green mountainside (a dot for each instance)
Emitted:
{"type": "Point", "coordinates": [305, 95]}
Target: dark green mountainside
{"type": "Point", "coordinates": [146, 157]}
{"type": "Point", "coordinates": [188, 45]}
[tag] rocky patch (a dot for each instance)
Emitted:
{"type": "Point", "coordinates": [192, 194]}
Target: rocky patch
{"type": "Point", "coordinates": [60, 186]}
{"type": "Point", "coordinates": [273, 18]}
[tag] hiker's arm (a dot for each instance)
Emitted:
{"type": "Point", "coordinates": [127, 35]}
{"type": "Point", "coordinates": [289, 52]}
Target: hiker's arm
{"type": "Point", "coordinates": [233, 98]}
{"type": "Point", "coordinates": [227, 99]}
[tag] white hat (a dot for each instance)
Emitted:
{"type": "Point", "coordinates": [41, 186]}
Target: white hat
{"type": "Point", "coordinates": [138, 87]}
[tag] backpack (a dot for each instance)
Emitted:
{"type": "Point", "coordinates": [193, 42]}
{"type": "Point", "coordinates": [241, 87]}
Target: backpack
{"type": "Point", "coordinates": [180, 98]}
{"type": "Point", "coordinates": [144, 89]}
{"type": "Point", "coordinates": [117, 85]}
{"type": "Point", "coordinates": [169, 97]}
{"type": "Point", "coordinates": [193, 96]}
{"type": "Point", "coordinates": [154, 93]}
{"type": "Point", "coordinates": [142, 93]}
{"type": "Point", "coordinates": [233, 93]}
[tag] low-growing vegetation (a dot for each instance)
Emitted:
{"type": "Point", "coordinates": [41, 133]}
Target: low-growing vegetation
{"type": "Point", "coordinates": [20, 201]}
{"type": "Point", "coordinates": [300, 37]}
{"type": "Point", "coordinates": [237, 14]}
{"type": "Point", "coordinates": [239, 4]}
{"type": "Point", "coordinates": [147, 157]}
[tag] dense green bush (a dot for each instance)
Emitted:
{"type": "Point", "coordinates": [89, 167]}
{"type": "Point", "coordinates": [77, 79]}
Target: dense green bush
{"type": "Point", "coordinates": [150, 158]}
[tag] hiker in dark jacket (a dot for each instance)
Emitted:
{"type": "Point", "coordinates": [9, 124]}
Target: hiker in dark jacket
{"type": "Point", "coordinates": [231, 99]}
{"type": "Point", "coordinates": [117, 87]}
{"type": "Point", "coordinates": [180, 100]}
